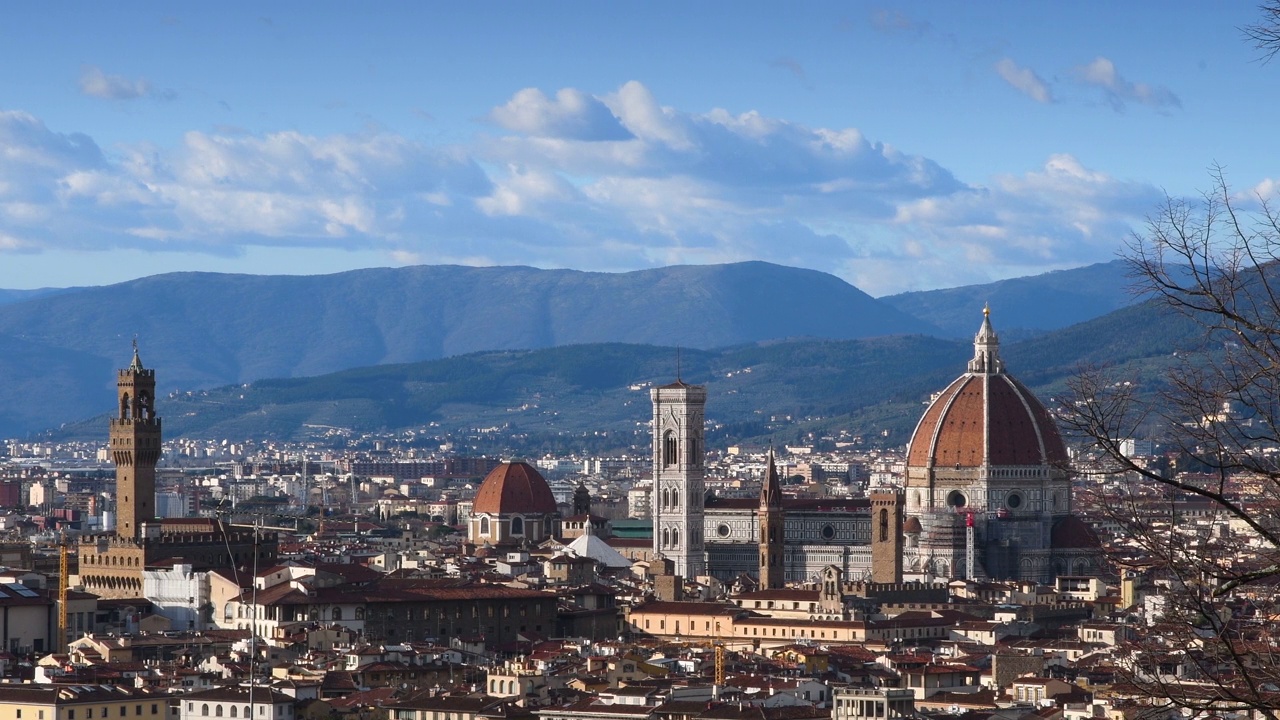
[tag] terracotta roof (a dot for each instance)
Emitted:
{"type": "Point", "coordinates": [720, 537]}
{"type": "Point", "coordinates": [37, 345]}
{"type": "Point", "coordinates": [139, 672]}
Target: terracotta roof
{"type": "Point", "coordinates": [986, 416]}
{"type": "Point", "coordinates": [514, 487]}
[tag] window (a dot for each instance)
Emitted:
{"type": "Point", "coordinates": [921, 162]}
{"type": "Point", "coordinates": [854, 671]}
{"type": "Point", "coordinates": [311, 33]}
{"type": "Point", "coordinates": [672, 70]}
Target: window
{"type": "Point", "coordinates": [155, 708]}
{"type": "Point", "coordinates": [137, 710]}
{"type": "Point", "coordinates": [233, 711]}
{"type": "Point", "coordinates": [670, 448]}
{"type": "Point", "coordinates": [484, 526]}
{"type": "Point", "coordinates": [204, 709]}
{"type": "Point", "coordinates": [337, 615]}
{"type": "Point", "coordinates": [517, 526]}
{"type": "Point", "coordinates": [71, 715]}
{"type": "Point", "coordinates": [884, 525]}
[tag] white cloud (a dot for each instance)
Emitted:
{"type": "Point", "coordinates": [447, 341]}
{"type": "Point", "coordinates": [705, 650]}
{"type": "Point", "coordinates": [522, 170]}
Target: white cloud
{"type": "Point", "coordinates": [1118, 91]}
{"type": "Point", "coordinates": [1024, 80]}
{"type": "Point", "coordinates": [558, 188]}
{"type": "Point", "coordinates": [1062, 215]}
{"type": "Point", "coordinates": [96, 83]}
{"type": "Point", "coordinates": [572, 115]}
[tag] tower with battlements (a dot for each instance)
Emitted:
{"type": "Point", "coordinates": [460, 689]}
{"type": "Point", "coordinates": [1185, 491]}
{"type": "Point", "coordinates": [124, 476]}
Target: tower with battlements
{"type": "Point", "coordinates": [135, 447]}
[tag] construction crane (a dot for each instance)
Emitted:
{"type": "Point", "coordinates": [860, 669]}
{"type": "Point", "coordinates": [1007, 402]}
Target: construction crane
{"type": "Point", "coordinates": [719, 657]}
{"type": "Point", "coordinates": [63, 583]}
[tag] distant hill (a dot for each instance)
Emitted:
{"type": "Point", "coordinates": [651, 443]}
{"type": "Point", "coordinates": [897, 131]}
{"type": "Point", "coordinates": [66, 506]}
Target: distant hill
{"type": "Point", "coordinates": [594, 398]}
{"type": "Point", "coordinates": [206, 330]}
{"type": "Point", "coordinates": [13, 296]}
{"type": "Point", "coordinates": [1025, 306]}
{"type": "Point", "coordinates": [536, 399]}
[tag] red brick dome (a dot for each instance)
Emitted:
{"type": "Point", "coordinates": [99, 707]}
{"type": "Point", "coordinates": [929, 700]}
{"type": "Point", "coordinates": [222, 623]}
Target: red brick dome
{"type": "Point", "coordinates": [514, 487]}
{"type": "Point", "coordinates": [986, 417]}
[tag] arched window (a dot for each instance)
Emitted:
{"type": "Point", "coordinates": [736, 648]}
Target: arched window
{"type": "Point", "coordinates": [884, 525]}
{"type": "Point", "coordinates": [337, 613]}
{"type": "Point", "coordinates": [233, 711]}
{"type": "Point", "coordinates": [484, 526]}
{"type": "Point", "coordinates": [247, 712]}
{"type": "Point", "coordinates": [517, 525]}
{"type": "Point", "coordinates": [666, 498]}
{"type": "Point", "coordinates": [204, 709]}
{"type": "Point", "coordinates": [675, 498]}
{"type": "Point", "coordinates": [666, 538]}
{"type": "Point", "coordinates": [124, 406]}
{"type": "Point", "coordinates": [675, 537]}
{"type": "Point", "coordinates": [670, 449]}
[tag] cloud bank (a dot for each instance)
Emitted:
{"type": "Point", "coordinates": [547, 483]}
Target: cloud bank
{"type": "Point", "coordinates": [612, 181]}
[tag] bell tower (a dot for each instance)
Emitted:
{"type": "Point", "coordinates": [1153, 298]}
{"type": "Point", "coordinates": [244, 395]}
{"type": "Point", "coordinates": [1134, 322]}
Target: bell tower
{"type": "Point", "coordinates": [135, 447]}
{"type": "Point", "coordinates": [678, 475]}
{"type": "Point", "coordinates": [773, 530]}
{"type": "Point", "coordinates": [886, 535]}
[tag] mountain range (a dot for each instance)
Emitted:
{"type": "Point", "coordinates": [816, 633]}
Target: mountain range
{"type": "Point", "coordinates": [1026, 305]}
{"type": "Point", "coordinates": [411, 345]}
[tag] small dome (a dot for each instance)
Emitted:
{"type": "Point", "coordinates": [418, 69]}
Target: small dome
{"type": "Point", "coordinates": [514, 487]}
{"type": "Point", "coordinates": [1072, 533]}
{"type": "Point", "coordinates": [912, 526]}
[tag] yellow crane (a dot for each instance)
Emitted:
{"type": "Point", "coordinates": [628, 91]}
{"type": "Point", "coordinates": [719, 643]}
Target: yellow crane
{"type": "Point", "coordinates": [718, 646]}
{"type": "Point", "coordinates": [63, 583]}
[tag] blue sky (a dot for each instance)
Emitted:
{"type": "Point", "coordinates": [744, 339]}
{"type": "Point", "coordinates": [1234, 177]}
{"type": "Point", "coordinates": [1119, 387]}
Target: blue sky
{"type": "Point", "coordinates": [899, 146]}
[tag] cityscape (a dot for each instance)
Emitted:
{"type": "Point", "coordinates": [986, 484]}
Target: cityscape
{"type": "Point", "coordinates": [498, 361]}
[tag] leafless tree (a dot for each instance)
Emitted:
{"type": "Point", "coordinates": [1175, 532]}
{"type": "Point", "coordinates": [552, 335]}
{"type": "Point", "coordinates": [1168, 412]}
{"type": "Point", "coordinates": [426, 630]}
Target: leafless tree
{"type": "Point", "coordinates": [1265, 34]}
{"type": "Point", "coordinates": [1216, 405]}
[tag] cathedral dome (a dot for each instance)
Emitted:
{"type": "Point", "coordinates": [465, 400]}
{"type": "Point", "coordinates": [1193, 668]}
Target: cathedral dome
{"type": "Point", "coordinates": [986, 417]}
{"type": "Point", "coordinates": [514, 487]}
{"type": "Point", "coordinates": [1072, 533]}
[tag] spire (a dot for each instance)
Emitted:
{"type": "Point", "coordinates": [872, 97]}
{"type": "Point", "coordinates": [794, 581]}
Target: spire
{"type": "Point", "coordinates": [986, 348]}
{"type": "Point", "coordinates": [771, 489]}
{"type": "Point", "coordinates": [137, 361]}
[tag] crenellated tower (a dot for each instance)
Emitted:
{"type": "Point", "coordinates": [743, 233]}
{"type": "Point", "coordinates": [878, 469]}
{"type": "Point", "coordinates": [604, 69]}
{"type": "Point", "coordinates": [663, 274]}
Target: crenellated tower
{"type": "Point", "coordinates": [886, 535]}
{"type": "Point", "coordinates": [773, 530]}
{"type": "Point", "coordinates": [678, 475]}
{"type": "Point", "coordinates": [135, 447]}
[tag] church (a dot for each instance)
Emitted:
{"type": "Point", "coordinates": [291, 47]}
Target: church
{"type": "Point", "coordinates": [987, 495]}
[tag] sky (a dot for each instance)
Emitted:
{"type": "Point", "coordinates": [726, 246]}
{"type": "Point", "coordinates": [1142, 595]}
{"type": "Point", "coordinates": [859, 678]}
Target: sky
{"type": "Point", "coordinates": [899, 146]}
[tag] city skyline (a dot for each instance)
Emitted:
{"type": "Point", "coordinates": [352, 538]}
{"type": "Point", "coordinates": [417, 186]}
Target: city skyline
{"type": "Point", "coordinates": [897, 146]}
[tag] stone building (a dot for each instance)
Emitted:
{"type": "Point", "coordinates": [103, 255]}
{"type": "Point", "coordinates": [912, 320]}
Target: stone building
{"type": "Point", "coordinates": [111, 565]}
{"type": "Point", "coordinates": [985, 452]}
